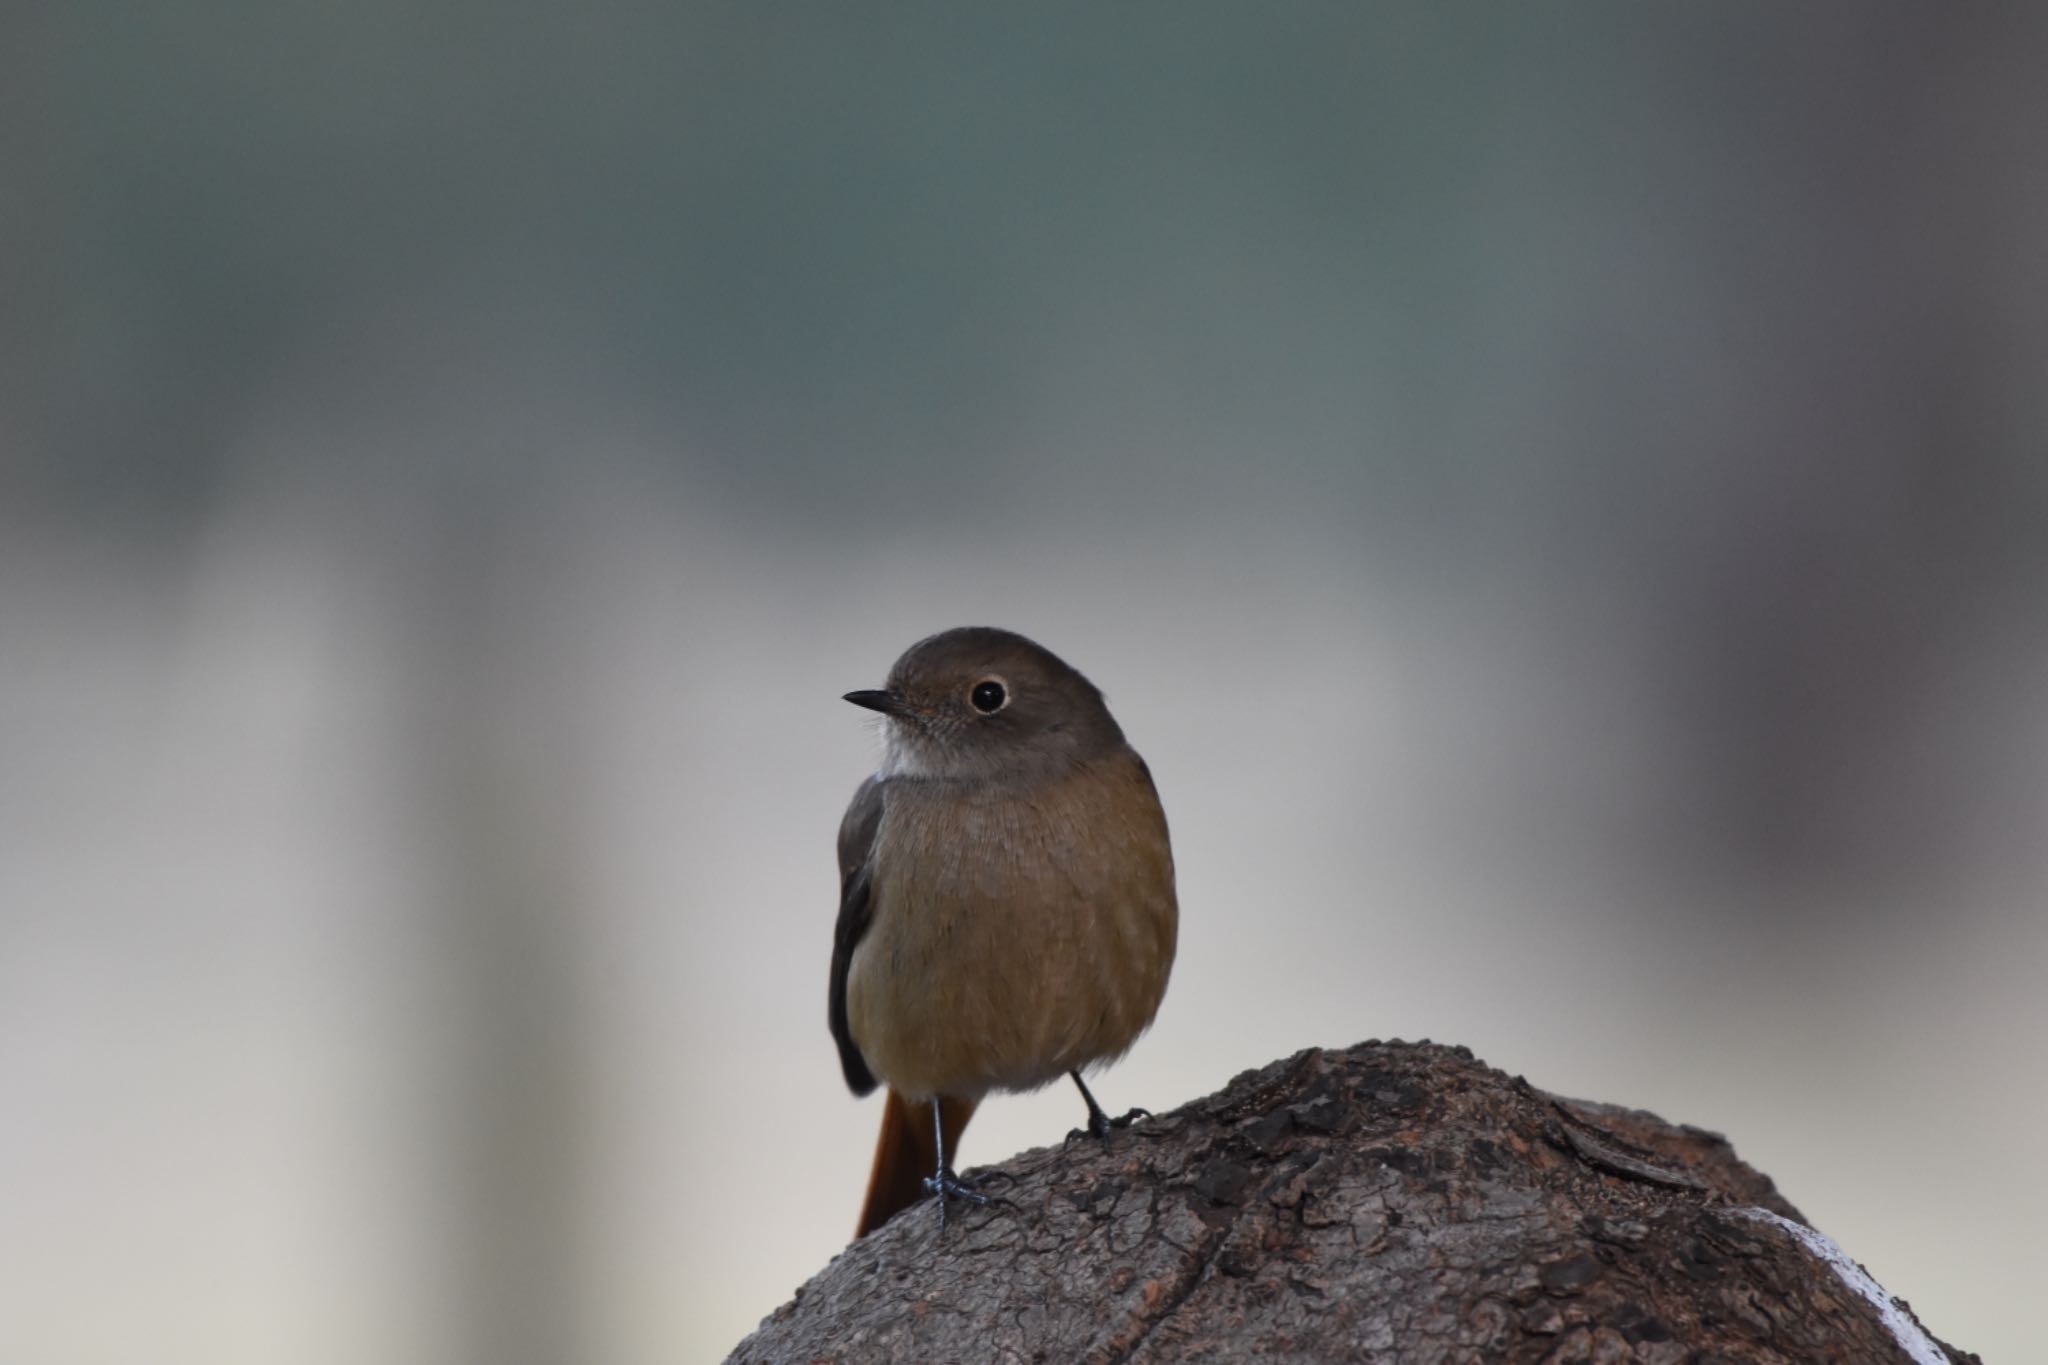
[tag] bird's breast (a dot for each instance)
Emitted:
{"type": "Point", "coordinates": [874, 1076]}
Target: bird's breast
{"type": "Point", "coordinates": [1018, 933]}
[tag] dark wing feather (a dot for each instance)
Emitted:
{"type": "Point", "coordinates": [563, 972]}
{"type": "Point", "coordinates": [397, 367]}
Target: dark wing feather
{"type": "Point", "coordinates": [856, 842]}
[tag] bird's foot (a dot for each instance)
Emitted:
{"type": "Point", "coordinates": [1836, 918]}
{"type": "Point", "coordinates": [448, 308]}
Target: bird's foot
{"type": "Point", "coordinates": [948, 1185]}
{"type": "Point", "coordinates": [1101, 1125]}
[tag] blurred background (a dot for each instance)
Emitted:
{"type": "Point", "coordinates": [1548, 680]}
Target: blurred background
{"type": "Point", "coordinates": [1562, 506]}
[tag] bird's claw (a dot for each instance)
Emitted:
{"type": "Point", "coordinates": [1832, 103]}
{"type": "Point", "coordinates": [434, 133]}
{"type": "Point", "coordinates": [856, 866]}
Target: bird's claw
{"type": "Point", "coordinates": [948, 1185]}
{"type": "Point", "coordinates": [1101, 1125]}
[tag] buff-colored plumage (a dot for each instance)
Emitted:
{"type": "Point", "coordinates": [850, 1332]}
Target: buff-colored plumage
{"type": "Point", "coordinates": [1018, 934]}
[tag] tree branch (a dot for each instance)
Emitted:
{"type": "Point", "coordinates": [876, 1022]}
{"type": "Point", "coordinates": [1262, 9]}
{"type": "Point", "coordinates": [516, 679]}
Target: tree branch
{"type": "Point", "coordinates": [1387, 1202]}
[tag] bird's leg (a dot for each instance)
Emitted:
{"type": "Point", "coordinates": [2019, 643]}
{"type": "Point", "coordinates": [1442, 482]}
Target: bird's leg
{"type": "Point", "coordinates": [943, 1182]}
{"type": "Point", "coordinates": [1100, 1124]}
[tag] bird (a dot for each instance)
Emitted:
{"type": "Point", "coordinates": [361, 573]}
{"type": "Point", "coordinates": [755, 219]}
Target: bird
{"type": "Point", "coordinates": [1007, 909]}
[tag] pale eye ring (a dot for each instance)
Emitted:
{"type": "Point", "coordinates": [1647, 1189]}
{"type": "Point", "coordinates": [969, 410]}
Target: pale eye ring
{"type": "Point", "coordinates": [989, 696]}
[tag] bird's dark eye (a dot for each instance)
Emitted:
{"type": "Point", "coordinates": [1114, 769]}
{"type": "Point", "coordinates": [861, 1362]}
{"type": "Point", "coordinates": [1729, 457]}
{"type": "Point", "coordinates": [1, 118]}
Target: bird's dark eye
{"type": "Point", "coordinates": [988, 696]}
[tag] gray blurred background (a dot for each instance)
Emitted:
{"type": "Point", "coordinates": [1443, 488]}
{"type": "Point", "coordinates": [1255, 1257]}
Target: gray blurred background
{"type": "Point", "coordinates": [1562, 503]}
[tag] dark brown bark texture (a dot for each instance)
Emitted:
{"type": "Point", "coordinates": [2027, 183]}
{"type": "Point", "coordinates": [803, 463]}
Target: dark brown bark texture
{"type": "Point", "coordinates": [1390, 1202]}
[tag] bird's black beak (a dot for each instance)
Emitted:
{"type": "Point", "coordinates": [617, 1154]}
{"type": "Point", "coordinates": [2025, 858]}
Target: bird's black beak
{"type": "Point", "coordinates": [888, 703]}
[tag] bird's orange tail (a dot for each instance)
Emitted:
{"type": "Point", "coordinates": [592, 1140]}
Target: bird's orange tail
{"type": "Point", "coordinates": [906, 1153]}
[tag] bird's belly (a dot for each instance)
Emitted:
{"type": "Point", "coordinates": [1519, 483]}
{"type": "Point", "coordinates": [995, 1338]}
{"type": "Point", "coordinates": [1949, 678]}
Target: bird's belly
{"type": "Point", "coordinates": [1008, 956]}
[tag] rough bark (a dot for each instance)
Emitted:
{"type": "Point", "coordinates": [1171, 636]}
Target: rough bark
{"type": "Point", "coordinates": [1388, 1202]}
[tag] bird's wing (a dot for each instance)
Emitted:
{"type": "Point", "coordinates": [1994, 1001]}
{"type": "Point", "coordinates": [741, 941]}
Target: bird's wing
{"type": "Point", "coordinates": [856, 843]}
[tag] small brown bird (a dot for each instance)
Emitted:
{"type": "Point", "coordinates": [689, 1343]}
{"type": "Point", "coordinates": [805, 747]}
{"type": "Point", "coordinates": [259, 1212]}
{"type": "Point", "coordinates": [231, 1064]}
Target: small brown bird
{"type": "Point", "coordinates": [1006, 904]}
